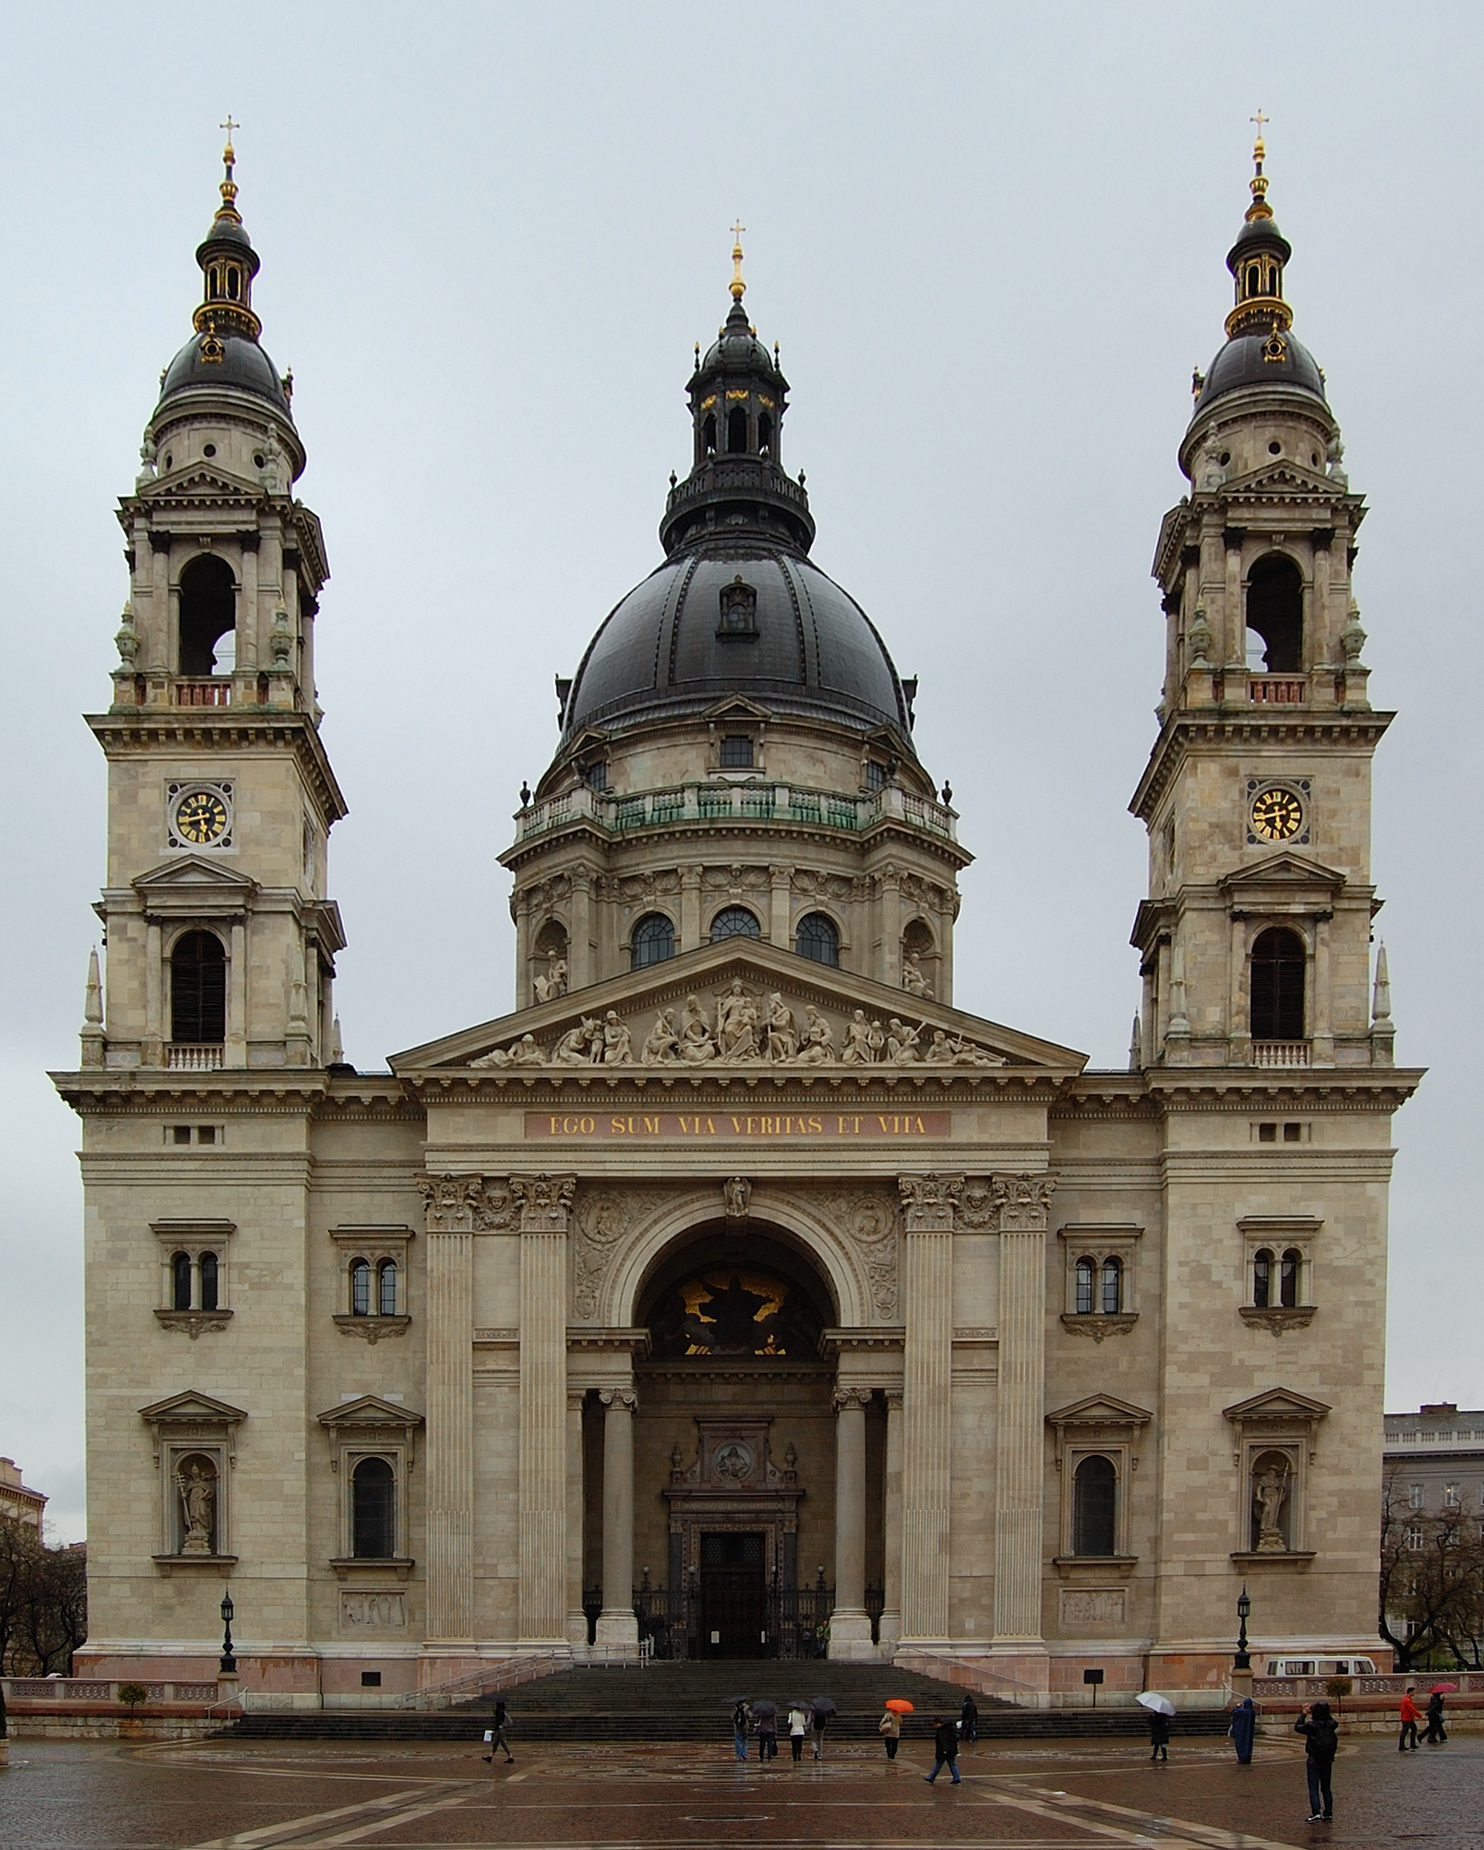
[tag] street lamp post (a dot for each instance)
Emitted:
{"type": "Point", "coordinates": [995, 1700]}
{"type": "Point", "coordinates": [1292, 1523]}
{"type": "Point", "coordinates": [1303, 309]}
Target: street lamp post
{"type": "Point", "coordinates": [229, 1662]}
{"type": "Point", "coordinates": [1242, 1661]}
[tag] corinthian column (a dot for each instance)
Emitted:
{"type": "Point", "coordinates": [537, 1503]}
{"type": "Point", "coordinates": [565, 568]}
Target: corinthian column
{"type": "Point", "coordinates": [449, 1201]}
{"type": "Point", "coordinates": [576, 1509]}
{"type": "Point", "coordinates": [545, 1210]}
{"type": "Point", "coordinates": [1023, 1202]}
{"type": "Point", "coordinates": [890, 1628]}
{"type": "Point", "coordinates": [928, 1214]}
{"type": "Point", "coordinates": [616, 1623]}
{"type": "Point", "coordinates": [850, 1625]}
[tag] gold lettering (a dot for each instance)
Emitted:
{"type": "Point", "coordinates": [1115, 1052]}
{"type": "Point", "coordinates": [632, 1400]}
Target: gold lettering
{"type": "Point", "coordinates": [652, 1126]}
{"type": "Point", "coordinates": [816, 1124]}
{"type": "Point", "coordinates": [553, 1131]}
{"type": "Point", "coordinates": [616, 1127]}
{"type": "Point", "coordinates": [921, 1127]}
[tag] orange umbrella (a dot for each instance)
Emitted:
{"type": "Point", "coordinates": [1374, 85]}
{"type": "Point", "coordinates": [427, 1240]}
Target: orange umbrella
{"type": "Point", "coordinates": [900, 1704]}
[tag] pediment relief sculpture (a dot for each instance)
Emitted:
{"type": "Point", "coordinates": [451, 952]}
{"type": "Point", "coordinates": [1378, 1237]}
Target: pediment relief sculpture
{"type": "Point", "coordinates": [740, 1026]}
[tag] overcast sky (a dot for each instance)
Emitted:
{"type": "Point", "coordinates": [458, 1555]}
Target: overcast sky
{"type": "Point", "coordinates": [990, 239]}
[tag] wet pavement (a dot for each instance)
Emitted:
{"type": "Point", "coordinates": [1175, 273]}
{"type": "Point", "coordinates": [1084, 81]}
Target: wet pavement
{"type": "Point", "coordinates": [225, 1795]}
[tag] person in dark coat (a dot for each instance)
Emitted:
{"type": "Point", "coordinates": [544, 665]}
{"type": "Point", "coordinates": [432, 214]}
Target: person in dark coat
{"type": "Point", "coordinates": [1159, 1735]}
{"type": "Point", "coordinates": [741, 1722]}
{"type": "Point", "coordinates": [968, 1720]}
{"type": "Point", "coordinates": [495, 1736]}
{"type": "Point", "coordinates": [945, 1747]}
{"type": "Point", "coordinates": [1436, 1732]}
{"type": "Point", "coordinates": [1242, 1730]}
{"type": "Point", "coordinates": [1321, 1735]}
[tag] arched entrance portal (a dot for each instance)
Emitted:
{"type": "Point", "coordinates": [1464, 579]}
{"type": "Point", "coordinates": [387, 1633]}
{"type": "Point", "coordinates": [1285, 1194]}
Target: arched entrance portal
{"type": "Point", "coordinates": [743, 1448]}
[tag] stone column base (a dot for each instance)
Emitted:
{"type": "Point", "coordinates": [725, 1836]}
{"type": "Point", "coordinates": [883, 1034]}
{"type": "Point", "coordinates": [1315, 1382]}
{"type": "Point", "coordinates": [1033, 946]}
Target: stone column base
{"type": "Point", "coordinates": [618, 1628]}
{"type": "Point", "coordinates": [850, 1637]}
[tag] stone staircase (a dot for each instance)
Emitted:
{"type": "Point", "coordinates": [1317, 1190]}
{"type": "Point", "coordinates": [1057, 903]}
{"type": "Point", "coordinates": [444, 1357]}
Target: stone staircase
{"type": "Point", "coordinates": [693, 1702]}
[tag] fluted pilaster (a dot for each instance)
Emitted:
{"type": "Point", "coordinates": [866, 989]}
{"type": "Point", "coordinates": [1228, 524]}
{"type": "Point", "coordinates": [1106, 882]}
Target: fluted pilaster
{"type": "Point", "coordinates": [928, 1215]}
{"type": "Point", "coordinates": [616, 1623]}
{"type": "Point", "coordinates": [450, 1202]}
{"type": "Point", "coordinates": [1023, 1204]}
{"type": "Point", "coordinates": [545, 1204]}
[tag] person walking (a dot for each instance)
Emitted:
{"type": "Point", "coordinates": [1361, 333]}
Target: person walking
{"type": "Point", "coordinates": [1436, 1732]}
{"type": "Point", "coordinates": [1159, 1736]}
{"type": "Point", "coordinates": [495, 1736]}
{"type": "Point", "coordinates": [890, 1729]}
{"type": "Point", "coordinates": [820, 1719]}
{"type": "Point", "coordinates": [741, 1722]}
{"type": "Point", "coordinates": [767, 1735]}
{"type": "Point", "coordinates": [1243, 1729]}
{"type": "Point", "coordinates": [1410, 1716]}
{"type": "Point", "coordinates": [1321, 1735]}
{"type": "Point", "coordinates": [968, 1720]}
{"type": "Point", "coordinates": [798, 1727]}
{"type": "Point", "coordinates": [945, 1748]}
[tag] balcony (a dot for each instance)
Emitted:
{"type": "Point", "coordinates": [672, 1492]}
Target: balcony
{"type": "Point", "coordinates": [1277, 690]}
{"type": "Point", "coordinates": [738, 803]}
{"type": "Point", "coordinates": [215, 692]}
{"type": "Point", "coordinates": [194, 1057]}
{"type": "Point", "coordinates": [1280, 1053]}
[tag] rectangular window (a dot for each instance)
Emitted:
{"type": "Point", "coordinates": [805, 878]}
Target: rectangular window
{"type": "Point", "coordinates": [1267, 1133]}
{"type": "Point", "coordinates": [736, 751]}
{"type": "Point", "coordinates": [1415, 1496]}
{"type": "Point", "coordinates": [1413, 1540]}
{"type": "Point", "coordinates": [1450, 1497]}
{"type": "Point", "coordinates": [205, 1133]}
{"type": "Point", "coordinates": [180, 1133]}
{"type": "Point", "coordinates": [1293, 1133]}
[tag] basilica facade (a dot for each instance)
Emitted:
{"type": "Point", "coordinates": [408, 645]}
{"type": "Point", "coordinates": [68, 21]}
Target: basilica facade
{"type": "Point", "coordinates": [736, 1294]}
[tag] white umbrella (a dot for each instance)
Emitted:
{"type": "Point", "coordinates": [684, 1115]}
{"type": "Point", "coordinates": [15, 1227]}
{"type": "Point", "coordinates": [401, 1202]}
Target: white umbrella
{"type": "Point", "coordinates": [1160, 1704]}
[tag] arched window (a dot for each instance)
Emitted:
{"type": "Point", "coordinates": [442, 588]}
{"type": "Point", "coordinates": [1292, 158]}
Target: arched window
{"type": "Point", "coordinates": [180, 1281]}
{"type": "Point", "coordinates": [1094, 1507]}
{"type": "Point", "coordinates": [198, 989]}
{"type": "Point", "coordinates": [360, 1288]}
{"type": "Point", "coordinates": [210, 1271]}
{"type": "Point", "coordinates": [233, 280]}
{"type": "Point", "coordinates": [1254, 280]}
{"type": "Point", "coordinates": [386, 1288]}
{"type": "Point", "coordinates": [208, 609]}
{"type": "Point", "coordinates": [653, 941]}
{"type": "Point", "coordinates": [1111, 1301]}
{"type": "Point", "coordinates": [1275, 611]}
{"type": "Point", "coordinates": [1288, 1276]}
{"type": "Point", "coordinates": [765, 433]}
{"type": "Point", "coordinates": [708, 434]}
{"type": "Point", "coordinates": [1277, 972]}
{"type": "Point", "coordinates": [373, 1510]}
{"type": "Point", "coordinates": [1085, 1275]}
{"type": "Point", "coordinates": [736, 431]}
{"type": "Point", "coordinates": [734, 922]}
{"type": "Point", "coordinates": [818, 938]}
{"type": "Point", "coordinates": [1262, 1279]}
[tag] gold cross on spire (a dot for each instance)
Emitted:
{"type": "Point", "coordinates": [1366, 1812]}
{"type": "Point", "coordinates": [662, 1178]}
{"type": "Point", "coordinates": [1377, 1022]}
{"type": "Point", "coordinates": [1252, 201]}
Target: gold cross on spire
{"type": "Point", "coordinates": [228, 208]}
{"type": "Point", "coordinates": [1258, 147]}
{"type": "Point", "coordinates": [737, 286]}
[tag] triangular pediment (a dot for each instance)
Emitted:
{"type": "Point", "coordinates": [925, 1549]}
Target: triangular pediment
{"type": "Point", "coordinates": [1285, 869]}
{"type": "Point", "coordinates": [1277, 1404]}
{"type": "Point", "coordinates": [201, 484]}
{"type": "Point", "coordinates": [737, 706]}
{"type": "Point", "coordinates": [1286, 477]}
{"type": "Point", "coordinates": [709, 994]}
{"type": "Point", "coordinates": [1100, 1410]}
{"type": "Point", "coordinates": [193, 873]}
{"type": "Point", "coordinates": [369, 1410]}
{"type": "Point", "coordinates": [194, 1407]}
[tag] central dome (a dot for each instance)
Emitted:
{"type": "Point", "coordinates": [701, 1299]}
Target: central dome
{"type": "Point", "coordinates": [738, 618]}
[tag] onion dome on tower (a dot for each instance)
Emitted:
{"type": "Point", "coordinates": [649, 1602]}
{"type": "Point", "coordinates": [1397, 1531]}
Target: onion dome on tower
{"type": "Point", "coordinates": [737, 608]}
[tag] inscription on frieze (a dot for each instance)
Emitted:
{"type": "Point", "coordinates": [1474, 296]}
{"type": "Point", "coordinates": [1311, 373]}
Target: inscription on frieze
{"type": "Point", "coordinates": [738, 1127]}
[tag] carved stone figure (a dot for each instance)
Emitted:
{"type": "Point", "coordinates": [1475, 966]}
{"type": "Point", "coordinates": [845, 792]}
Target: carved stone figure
{"type": "Point", "coordinates": [617, 1042]}
{"type": "Point", "coordinates": [901, 1043]}
{"type": "Point", "coordinates": [818, 1043]}
{"type": "Point", "coordinates": [737, 1024]}
{"type": "Point", "coordinates": [696, 1043]}
{"type": "Point", "coordinates": [580, 1046]}
{"type": "Point", "coordinates": [956, 1051]}
{"type": "Point", "coordinates": [875, 1040]}
{"type": "Point", "coordinates": [554, 983]}
{"type": "Point", "coordinates": [913, 981]}
{"type": "Point", "coordinates": [736, 1194]}
{"type": "Point", "coordinates": [783, 1035]}
{"type": "Point", "coordinates": [857, 1048]}
{"type": "Point", "coordinates": [198, 1503]}
{"type": "Point", "coordinates": [662, 1046]}
{"type": "Point", "coordinates": [1269, 1492]}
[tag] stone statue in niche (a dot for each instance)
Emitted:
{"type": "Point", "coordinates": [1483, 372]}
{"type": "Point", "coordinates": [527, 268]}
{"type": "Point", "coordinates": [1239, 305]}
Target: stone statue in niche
{"type": "Point", "coordinates": [1269, 1493]}
{"type": "Point", "coordinates": [554, 983]}
{"type": "Point", "coordinates": [913, 981]}
{"type": "Point", "coordinates": [198, 1507]}
{"type": "Point", "coordinates": [736, 1194]}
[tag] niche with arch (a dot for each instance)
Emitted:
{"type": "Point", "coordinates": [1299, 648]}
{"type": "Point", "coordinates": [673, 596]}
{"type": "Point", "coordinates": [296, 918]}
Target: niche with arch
{"type": "Point", "coordinates": [1275, 615]}
{"type": "Point", "coordinates": [920, 953]}
{"type": "Point", "coordinates": [208, 613]}
{"type": "Point", "coordinates": [549, 958]}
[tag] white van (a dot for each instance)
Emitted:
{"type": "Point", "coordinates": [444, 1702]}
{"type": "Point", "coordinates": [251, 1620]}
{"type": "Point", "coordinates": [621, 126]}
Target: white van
{"type": "Point", "coordinates": [1321, 1667]}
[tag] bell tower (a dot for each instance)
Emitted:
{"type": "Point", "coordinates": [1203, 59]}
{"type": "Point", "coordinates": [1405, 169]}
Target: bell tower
{"type": "Point", "coordinates": [220, 938]}
{"type": "Point", "coordinates": [1255, 938]}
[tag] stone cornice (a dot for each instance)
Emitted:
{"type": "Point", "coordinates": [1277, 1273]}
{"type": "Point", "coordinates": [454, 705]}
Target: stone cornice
{"type": "Point", "coordinates": [1247, 725]}
{"type": "Point", "coordinates": [193, 729]}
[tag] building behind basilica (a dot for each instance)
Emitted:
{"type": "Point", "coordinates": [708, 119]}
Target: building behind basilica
{"type": "Point", "coordinates": [737, 1294]}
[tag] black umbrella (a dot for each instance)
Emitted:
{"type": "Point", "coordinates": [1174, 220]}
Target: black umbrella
{"type": "Point", "coordinates": [765, 1708]}
{"type": "Point", "coordinates": [822, 1705]}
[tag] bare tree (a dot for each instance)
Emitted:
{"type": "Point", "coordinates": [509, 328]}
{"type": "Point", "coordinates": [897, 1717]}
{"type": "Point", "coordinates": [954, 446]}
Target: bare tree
{"type": "Point", "coordinates": [43, 1602]}
{"type": "Point", "coordinates": [1432, 1584]}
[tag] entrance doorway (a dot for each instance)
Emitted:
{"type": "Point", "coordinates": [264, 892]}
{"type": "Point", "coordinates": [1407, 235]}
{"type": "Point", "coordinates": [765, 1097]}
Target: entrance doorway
{"type": "Point", "coordinates": [734, 1595]}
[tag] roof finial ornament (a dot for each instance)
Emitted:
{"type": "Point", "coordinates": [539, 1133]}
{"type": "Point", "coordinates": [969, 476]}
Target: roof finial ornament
{"type": "Point", "coordinates": [737, 286]}
{"type": "Point", "coordinates": [1259, 207]}
{"type": "Point", "coordinates": [228, 208]}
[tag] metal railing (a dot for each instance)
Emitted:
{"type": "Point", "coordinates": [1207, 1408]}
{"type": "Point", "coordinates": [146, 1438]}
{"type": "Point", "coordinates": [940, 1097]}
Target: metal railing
{"type": "Point", "coordinates": [489, 1680]}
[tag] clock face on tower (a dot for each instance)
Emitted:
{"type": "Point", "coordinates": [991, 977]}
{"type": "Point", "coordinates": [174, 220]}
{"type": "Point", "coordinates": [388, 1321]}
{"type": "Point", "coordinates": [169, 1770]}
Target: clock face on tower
{"type": "Point", "coordinates": [200, 816]}
{"type": "Point", "coordinates": [1276, 814]}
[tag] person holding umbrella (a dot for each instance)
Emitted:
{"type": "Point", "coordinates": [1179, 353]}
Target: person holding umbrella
{"type": "Point", "coordinates": [821, 1709]}
{"type": "Point", "coordinates": [798, 1727]}
{"type": "Point", "coordinates": [1160, 1710]}
{"type": "Point", "coordinates": [968, 1719]}
{"type": "Point", "coordinates": [1436, 1732]}
{"type": "Point", "coordinates": [765, 1714]}
{"type": "Point", "coordinates": [890, 1725]}
{"type": "Point", "coordinates": [945, 1748]}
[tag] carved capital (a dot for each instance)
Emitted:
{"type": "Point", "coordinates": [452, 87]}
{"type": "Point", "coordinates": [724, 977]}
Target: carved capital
{"type": "Point", "coordinates": [1023, 1201]}
{"type": "Point", "coordinates": [929, 1202]}
{"type": "Point", "coordinates": [893, 1398]}
{"type": "Point", "coordinates": [545, 1202]}
{"type": "Point", "coordinates": [448, 1201]}
{"type": "Point", "coordinates": [851, 1397]}
{"type": "Point", "coordinates": [623, 1398]}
